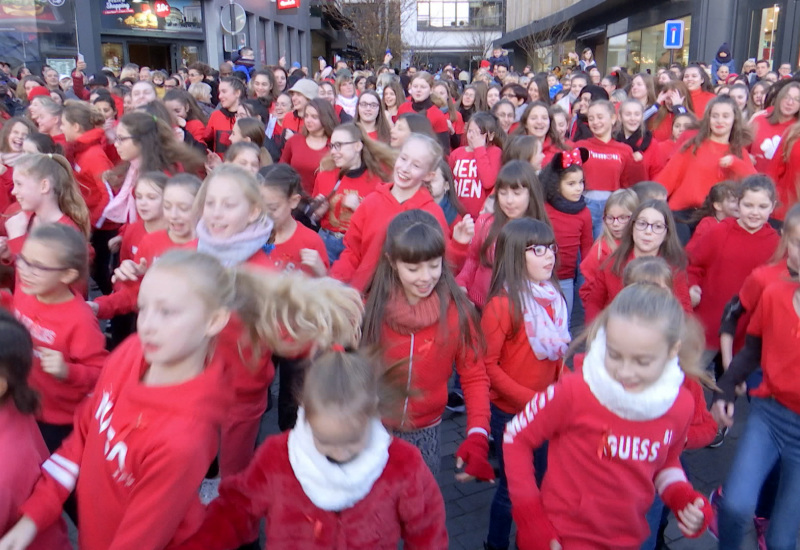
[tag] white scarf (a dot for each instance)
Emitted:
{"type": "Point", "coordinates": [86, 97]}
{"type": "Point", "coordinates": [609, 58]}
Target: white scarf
{"type": "Point", "coordinates": [649, 404]}
{"type": "Point", "coordinates": [334, 487]}
{"type": "Point", "coordinates": [548, 337]}
{"type": "Point", "coordinates": [348, 104]}
{"type": "Point", "coordinates": [238, 248]}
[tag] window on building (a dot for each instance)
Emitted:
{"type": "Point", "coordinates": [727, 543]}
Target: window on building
{"type": "Point", "coordinates": [448, 14]}
{"type": "Point", "coordinates": [641, 50]}
{"type": "Point", "coordinates": [767, 32]}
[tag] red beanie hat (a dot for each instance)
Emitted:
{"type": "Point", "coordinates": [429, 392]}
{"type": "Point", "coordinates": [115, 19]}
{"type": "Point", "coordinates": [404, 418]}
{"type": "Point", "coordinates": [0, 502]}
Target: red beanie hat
{"type": "Point", "coordinates": [38, 91]}
{"type": "Point", "coordinates": [484, 64]}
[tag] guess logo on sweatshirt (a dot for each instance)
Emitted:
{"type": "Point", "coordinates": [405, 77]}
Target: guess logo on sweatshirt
{"type": "Point", "coordinates": [113, 452]}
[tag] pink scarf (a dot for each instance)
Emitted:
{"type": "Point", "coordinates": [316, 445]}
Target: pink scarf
{"type": "Point", "coordinates": [122, 206]}
{"type": "Point", "coordinates": [548, 337]}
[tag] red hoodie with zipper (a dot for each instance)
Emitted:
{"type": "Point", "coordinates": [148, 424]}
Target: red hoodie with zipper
{"type": "Point", "coordinates": [89, 162]}
{"type": "Point", "coordinates": [144, 450]}
{"type": "Point", "coordinates": [218, 130]}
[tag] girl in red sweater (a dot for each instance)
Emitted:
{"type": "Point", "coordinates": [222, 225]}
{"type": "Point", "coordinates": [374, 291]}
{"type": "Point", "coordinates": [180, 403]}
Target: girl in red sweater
{"type": "Point", "coordinates": [721, 203]}
{"type": "Point", "coordinates": [371, 118]}
{"type": "Point", "coordinates": [244, 154]}
{"type": "Point", "coordinates": [563, 184]}
{"type": "Point", "coordinates": [187, 112]}
{"type": "Point", "coordinates": [539, 121]}
{"type": "Point", "coordinates": [443, 190]}
{"type": "Point", "coordinates": [620, 206]}
{"type": "Point", "coordinates": [671, 144]}
{"type": "Point", "coordinates": [21, 446]}
{"type": "Point", "coordinates": [518, 194]}
{"type": "Point", "coordinates": [615, 433]}
{"type": "Point", "coordinates": [220, 124]}
{"type": "Point", "coordinates": [700, 89]}
{"type": "Point", "coordinates": [526, 324]}
{"type": "Point", "coordinates": [475, 166]}
{"type": "Point", "coordinates": [673, 101]}
{"type": "Point", "coordinates": [769, 127]}
{"type": "Point", "coordinates": [419, 317]}
{"type": "Point", "coordinates": [716, 153]}
{"type": "Point", "coordinates": [151, 428]}
{"type": "Point", "coordinates": [651, 232]}
{"type": "Point", "coordinates": [612, 164]}
{"type": "Point", "coordinates": [337, 478]}
{"type": "Point", "coordinates": [354, 169]}
{"type": "Point", "coordinates": [442, 97]}
{"type": "Point", "coordinates": [633, 132]}
{"type": "Point", "coordinates": [305, 150]}
{"type": "Point", "coordinates": [420, 89]}
{"type": "Point", "coordinates": [785, 170]}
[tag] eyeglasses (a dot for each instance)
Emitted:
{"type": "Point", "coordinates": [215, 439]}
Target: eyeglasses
{"type": "Point", "coordinates": [369, 105]}
{"type": "Point", "coordinates": [658, 228]}
{"type": "Point", "coordinates": [120, 139]}
{"type": "Point", "coordinates": [337, 145]}
{"type": "Point", "coordinates": [541, 249]}
{"type": "Point", "coordinates": [616, 219]}
{"type": "Point", "coordinates": [34, 268]}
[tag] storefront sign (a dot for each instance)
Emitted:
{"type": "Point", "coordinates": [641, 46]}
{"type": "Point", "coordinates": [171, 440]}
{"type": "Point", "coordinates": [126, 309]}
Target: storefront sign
{"type": "Point", "coordinates": [177, 16]}
{"type": "Point", "coordinates": [288, 4]}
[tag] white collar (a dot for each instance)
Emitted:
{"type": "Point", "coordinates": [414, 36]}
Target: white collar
{"type": "Point", "coordinates": [335, 487]}
{"type": "Point", "coordinates": [651, 403]}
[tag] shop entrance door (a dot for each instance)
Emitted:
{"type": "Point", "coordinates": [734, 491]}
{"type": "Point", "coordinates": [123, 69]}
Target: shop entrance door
{"type": "Point", "coordinates": [155, 56]}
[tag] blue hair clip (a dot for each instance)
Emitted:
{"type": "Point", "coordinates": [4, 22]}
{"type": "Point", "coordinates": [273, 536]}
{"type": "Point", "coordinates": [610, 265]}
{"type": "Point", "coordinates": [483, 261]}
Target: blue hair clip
{"type": "Point", "coordinates": [268, 248]}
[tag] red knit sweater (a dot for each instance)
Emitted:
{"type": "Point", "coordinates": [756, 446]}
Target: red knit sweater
{"type": "Point", "coordinates": [573, 235]}
{"type": "Point", "coordinates": [610, 165]}
{"type": "Point", "coordinates": [475, 173]}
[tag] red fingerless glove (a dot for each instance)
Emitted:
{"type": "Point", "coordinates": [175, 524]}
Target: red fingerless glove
{"type": "Point", "coordinates": [534, 530]}
{"type": "Point", "coordinates": [474, 451]}
{"type": "Point", "coordinates": [679, 495]}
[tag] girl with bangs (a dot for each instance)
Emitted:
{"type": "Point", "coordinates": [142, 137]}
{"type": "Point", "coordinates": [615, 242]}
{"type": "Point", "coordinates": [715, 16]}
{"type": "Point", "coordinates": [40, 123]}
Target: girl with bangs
{"type": "Point", "coordinates": [413, 310]}
{"type": "Point", "coordinates": [518, 194]}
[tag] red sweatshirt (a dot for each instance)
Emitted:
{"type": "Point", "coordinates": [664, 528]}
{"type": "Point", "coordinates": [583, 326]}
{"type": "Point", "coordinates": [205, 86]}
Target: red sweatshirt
{"type": "Point", "coordinates": [364, 238]}
{"type": "Point", "coordinates": [573, 235]}
{"type": "Point", "coordinates": [435, 115]}
{"type": "Point", "coordinates": [404, 504]}
{"type": "Point", "coordinates": [766, 140]}
{"type": "Point", "coordinates": [775, 322]}
{"type": "Point", "coordinates": [218, 131]}
{"type": "Point", "coordinates": [89, 162]}
{"type": "Point", "coordinates": [610, 165]}
{"type": "Point", "coordinates": [143, 449]}
{"type": "Point", "coordinates": [550, 149]}
{"type": "Point", "coordinates": [286, 255]}
{"type": "Point", "coordinates": [474, 276]}
{"type": "Point", "coordinates": [360, 182]}
{"type": "Point", "coordinates": [22, 450]}
{"type": "Point", "coordinates": [787, 177]}
{"type": "Point", "coordinates": [132, 235]}
{"type": "Point", "coordinates": [515, 374]}
{"type": "Point", "coordinates": [304, 159]}
{"type": "Point", "coordinates": [292, 122]}
{"type": "Point", "coordinates": [700, 100]}
{"type": "Point", "coordinates": [70, 328]}
{"type": "Point", "coordinates": [600, 292]}
{"type": "Point", "coordinates": [196, 129]}
{"type": "Point", "coordinates": [591, 263]}
{"type": "Point", "coordinates": [475, 173]}
{"type": "Point", "coordinates": [720, 262]}
{"type": "Point", "coordinates": [689, 177]}
{"type": "Point", "coordinates": [601, 468]}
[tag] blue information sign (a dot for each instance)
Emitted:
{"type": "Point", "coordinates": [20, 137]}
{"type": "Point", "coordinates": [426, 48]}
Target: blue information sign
{"type": "Point", "coordinates": [673, 34]}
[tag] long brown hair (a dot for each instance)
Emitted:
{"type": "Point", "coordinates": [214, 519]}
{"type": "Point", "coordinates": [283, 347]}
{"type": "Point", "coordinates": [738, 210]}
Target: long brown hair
{"type": "Point", "coordinates": [16, 362]}
{"type": "Point", "coordinates": [8, 125]}
{"type": "Point", "coordinates": [381, 122]}
{"type": "Point", "coordinates": [377, 156]}
{"type": "Point", "coordinates": [83, 114]}
{"type": "Point", "coordinates": [774, 117]}
{"type": "Point", "coordinates": [327, 116]}
{"type": "Point", "coordinates": [670, 249]}
{"type": "Point", "coordinates": [193, 110]}
{"type": "Point", "coordinates": [415, 236]}
{"type": "Point", "coordinates": [740, 135]}
{"type": "Point", "coordinates": [517, 174]}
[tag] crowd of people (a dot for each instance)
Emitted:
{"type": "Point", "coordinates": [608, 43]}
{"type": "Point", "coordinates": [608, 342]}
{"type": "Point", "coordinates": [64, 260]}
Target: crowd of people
{"type": "Point", "coordinates": [592, 268]}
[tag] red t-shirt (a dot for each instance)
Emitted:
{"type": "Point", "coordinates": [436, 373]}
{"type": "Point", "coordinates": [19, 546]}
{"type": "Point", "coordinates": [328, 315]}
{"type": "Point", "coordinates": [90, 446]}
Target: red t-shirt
{"type": "Point", "coordinates": [610, 166]}
{"type": "Point", "coordinates": [304, 159]}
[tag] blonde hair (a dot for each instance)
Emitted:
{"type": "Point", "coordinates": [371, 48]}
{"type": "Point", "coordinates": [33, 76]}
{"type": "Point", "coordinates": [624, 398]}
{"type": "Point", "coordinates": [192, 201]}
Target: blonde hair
{"type": "Point", "coordinates": [284, 312]}
{"type": "Point", "coordinates": [200, 91]}
{"type": "Point", "coordinates": [424, 75]}
{"type": "Point", "coordinates": [232, 174]}
{"type": "Point", "coordinates": [432, 145]}
{"type": "Point", "coordinates": [648, 269]}
{"type": "Point", "coordinates": [58, 172]}
{"type": "Point", "coordinates": [627, 199]}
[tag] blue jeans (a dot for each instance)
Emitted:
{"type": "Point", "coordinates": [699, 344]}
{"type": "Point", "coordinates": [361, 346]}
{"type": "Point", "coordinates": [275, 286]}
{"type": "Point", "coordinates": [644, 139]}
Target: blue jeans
{"type": "Point", "coordinates": [568, 288]}
{"type": "Point", "coordinates": [596, 208]}
{"type": "Point", "coordinates": [653, 517]}
{"type": "Point", "coordinates": [333, 244]}
{"type": "Point", "coordinates": [772, 435]}
{"type": "Point", "coordinates": [500, 512]}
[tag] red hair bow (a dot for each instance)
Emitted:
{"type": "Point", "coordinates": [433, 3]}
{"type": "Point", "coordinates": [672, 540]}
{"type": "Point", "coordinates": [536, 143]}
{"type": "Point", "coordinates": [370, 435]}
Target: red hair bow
{"type": "Point", "coordinates": [571, 158]}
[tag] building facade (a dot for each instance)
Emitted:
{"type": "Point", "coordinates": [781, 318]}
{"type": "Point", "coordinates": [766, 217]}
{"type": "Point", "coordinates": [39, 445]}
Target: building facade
{"type": "Point", "coordinates": [630, 33]}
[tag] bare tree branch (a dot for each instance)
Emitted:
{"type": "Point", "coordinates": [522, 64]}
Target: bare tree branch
{"type": "Point", "coordinates": [540, 47]}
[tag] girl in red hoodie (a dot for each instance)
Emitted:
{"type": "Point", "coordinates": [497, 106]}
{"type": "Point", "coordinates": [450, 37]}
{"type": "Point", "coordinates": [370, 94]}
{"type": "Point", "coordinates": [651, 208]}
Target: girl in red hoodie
{"type": "Point", "coordinates": [338, 478]}
{"type": "Point", "coordinates": [526, 323]}
{"type": "Point", "coordinates": [700, 89]}
{"type": "Point", "coordinates": [151, 428]}
{"type": "Point", "coordinates": [220, 124]}
{"type": "Point", "coordinates": [651, 232]}
{"type": "Point", "coordinates": [769, 127]}
{"type": "Point", "coordinates": [420, 89]}
{"type": "Point", "coordinates": [620, 206]}
{"type": "Point", "coordinates": [418, 316]}
{"type": "Point", "coordinates": [721, 203]}
{"type": "Point", "coordinates": [615, 433]}
{"type": "Point", "coordinates": [716, 153]}
{"type": "Point", "coordinates": [21, 447]}
{"type": "Point", "coordinates": [475, 167]}
{"type": "Point", "coordinates": [518, 195]}
{"type": "Point", "coordinates": [633, 132]}
{"type": "Point", "coordinates": [572, 224]}
{"type": "Point", "coordinates": [723, 257]}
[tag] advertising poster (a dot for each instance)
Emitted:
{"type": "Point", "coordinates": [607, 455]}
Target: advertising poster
{"type": "Point", "coordinates": [161, 15]}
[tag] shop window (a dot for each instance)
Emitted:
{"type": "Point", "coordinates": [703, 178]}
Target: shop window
{"type": "Point", "coordinates": [112, 55]}
{"type": "Point", "coordinates": [767, 32]}
{"type": "Point", "coordinates": [641, 50]}
{"type": "Point", "coordinates": [448, 14]}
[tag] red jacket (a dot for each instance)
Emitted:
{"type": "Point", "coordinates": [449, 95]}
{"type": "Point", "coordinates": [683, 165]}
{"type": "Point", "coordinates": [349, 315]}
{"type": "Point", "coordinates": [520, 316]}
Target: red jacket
{"type": "Point", "coordinates": [610, 165]}
{"type": "Point", "coordinates": [143, 449]}
{"type": "Point", "coordinates": [474, 276]}
{"type": "Point", "coordinates": [573, 235]}
{"type": "Point", "coordinates": [599, 465]}
{"type": "Point", "coordinates": [364, 238]}
{"type": "Point", "coordinates": [22, 450]}
{"type": "Point", "coordinates": [404, 504]}
{"type": "Point", "coordinates": [360, 182]}
{"type": "Point", "coordinates": [600, 292]}
{"type": "Point", "coordinates": [690, 176]}
{"type": "Point", "coordinates": [475, 173]}
{"type": "Point", "coordinates": [515, 374]}
{"type": "Point", "coordinates": [196, 129]}
{"type": "Point", "coordinates": [719, 262]}
{"type": "Point", "coordinates": [430, 353]}
{"type": "Point", "coordinates": [304, 159]}
{"type": "Point", "coordinates": [786, 174]}
{"type": "Point", "coordinates": [766, 140]}
{"type": "Point", "coordinates": [218, 131]}
{"type": "Point", "coordinates": [89, 161]}
{"type": "Point", "coordinates": [70, 328]}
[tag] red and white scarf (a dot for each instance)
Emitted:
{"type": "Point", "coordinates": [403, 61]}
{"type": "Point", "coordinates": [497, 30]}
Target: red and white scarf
{"type": "Point", "coordinates": [548, 337]}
